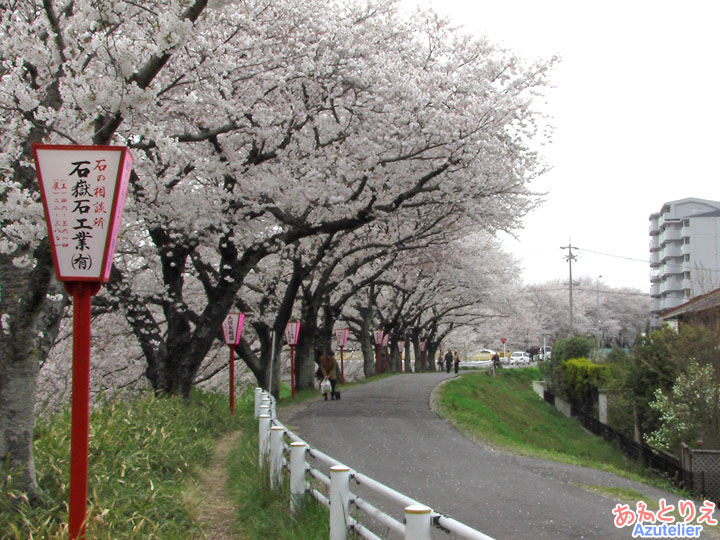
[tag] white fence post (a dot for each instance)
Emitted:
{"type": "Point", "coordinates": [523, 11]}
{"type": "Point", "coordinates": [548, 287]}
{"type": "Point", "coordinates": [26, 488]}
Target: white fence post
{"type": "Point", "coordinates": [276, 455]}
{"type": "Point", "coordinates": [298, 452]}
{"type": "Point", "coordinates": [263, 436]}
{"type": "Point", "coordinates": [339, 501]}
{"type": "Point", "coordinates": [265, 402]}
{"type": "Point", "coordinates": [258, 392]}
{"type": "Point", "coordinates": [418, 522]}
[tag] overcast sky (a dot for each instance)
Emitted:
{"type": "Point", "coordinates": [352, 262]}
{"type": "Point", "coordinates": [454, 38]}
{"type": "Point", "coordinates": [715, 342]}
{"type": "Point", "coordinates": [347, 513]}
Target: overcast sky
{"type": "Point", "coordinates": [636, 109]}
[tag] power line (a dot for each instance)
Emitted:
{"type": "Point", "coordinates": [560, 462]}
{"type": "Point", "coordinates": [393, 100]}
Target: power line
{"type": "Point", "coordinates": [602, 291]}
{"type": "Point", "coordinates": [647, 261]}
{"type": "Point", "coordinates": [611, 255]}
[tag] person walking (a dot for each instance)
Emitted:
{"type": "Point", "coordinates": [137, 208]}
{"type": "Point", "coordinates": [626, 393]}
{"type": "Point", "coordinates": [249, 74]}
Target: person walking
{"type": "Point", "coordinates": [448, 360]}
{"type": "Point", "coordinates": [329, 370]}
{"type": "Point", "coordinates": [456, 362]}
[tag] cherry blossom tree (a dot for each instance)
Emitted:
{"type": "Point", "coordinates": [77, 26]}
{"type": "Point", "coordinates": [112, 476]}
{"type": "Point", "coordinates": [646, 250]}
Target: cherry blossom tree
{"type": "Point", "coordinates": [255, 127]}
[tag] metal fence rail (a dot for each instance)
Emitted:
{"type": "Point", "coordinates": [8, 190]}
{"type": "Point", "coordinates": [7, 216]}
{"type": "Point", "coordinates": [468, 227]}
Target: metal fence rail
{"type": "Point", "coordinates": [417, 519]}
{"type": "Point", "coordinates": [657, 460]}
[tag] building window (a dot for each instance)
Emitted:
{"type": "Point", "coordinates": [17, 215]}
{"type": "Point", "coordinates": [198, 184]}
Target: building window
{"type": "Point", "coordinates": [687, 258]}
{"type": "Point", "coordinates": [687, 275]}
{"type": "Point", "coordinates": [686, 240]}
{"type": "Point", "coordinates": [686, 223]}
{"type": "Point", "coordinates": [688, 293]}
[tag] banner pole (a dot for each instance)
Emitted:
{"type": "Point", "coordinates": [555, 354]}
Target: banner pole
{"type": "Point", "coordinates": [232, 379]}
{"type": "Point", "coordinates": [82, 293]}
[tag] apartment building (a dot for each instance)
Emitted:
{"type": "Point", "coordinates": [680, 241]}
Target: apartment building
{"type": "Point", "coordinates": [684, 252]}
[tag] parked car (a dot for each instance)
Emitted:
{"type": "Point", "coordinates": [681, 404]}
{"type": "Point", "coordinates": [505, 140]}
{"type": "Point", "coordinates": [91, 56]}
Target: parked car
{"type": "Point", "coordinates": [485, 354]}
{"type": "Point", "coordinates": [545, 352]}
{"type": "Point", "coordinates": [519, 357]}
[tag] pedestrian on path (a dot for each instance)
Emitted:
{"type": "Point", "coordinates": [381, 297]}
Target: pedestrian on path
{"type": "Point", "coordinates": [329, 369]}
{"type": "Point", "coordinates": [456, 361]}
{"type": "Point", "coordinates": [448, 360]}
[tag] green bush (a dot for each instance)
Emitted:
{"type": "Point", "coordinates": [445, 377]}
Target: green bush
{"type": "Point", "coordinates": [582, 378]}
{"type": "Point", "coordinates": [564, 349]}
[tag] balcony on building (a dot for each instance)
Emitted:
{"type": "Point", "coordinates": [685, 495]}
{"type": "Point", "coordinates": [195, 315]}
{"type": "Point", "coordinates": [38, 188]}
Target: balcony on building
{"type": "Point", "coordinates": [672, 284]}
{"type": "Point", "coordinates": [672, 250]}
{"type": "Point", "coordinates": [671, 233]}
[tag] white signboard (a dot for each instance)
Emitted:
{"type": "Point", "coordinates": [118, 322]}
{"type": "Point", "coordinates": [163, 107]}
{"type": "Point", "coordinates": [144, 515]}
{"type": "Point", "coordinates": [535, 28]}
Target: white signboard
{"type": "Point", "coordinates": [83, 190]}
{"type": "Point", "coordinates": [292, 333]}
{"type": "Point", "coordinates": [341, 334]}
{"type": "Point", "coordinates": [401, 346]}
{"type": "Point", "coordinates": [232, 328]}
{"type": "Point", "coordinates": [378, 335]}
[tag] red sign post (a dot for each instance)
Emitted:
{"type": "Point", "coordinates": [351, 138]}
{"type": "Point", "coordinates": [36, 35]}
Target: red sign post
{"type": "Point", "coordinates": [378, 335]}
{"type": "Point", "coordinates": [422, 355]}
{"type": "Point", "coordinates": [503, 342]}
{"type": "Point", "coordinates": [83, 190]}
{"type": "Point", "coordinates": [232, 330]}
{"type": "Point", "coordinates": [341, 334]}
{"type": "Point", "coordinates": [292, 335]}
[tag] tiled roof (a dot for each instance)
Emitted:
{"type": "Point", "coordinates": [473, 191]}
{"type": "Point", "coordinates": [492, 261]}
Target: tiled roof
{"type": "Point", "coordinates": [699, 303]}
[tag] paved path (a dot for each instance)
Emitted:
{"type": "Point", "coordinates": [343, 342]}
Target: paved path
{"type": "Point", "coordinates": [388, 431]}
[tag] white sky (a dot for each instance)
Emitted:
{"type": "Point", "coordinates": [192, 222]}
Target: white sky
{"type": "Point", "coordinates": [636, 109]}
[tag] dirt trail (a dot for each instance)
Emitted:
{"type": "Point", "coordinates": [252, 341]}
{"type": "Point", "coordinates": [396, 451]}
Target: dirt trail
{"type": "Point", "coordinates": [208, 498]}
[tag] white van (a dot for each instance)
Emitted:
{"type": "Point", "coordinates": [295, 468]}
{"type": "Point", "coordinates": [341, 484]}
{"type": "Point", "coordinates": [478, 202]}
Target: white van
{"type": "Point", "coordinates": [545, 352]}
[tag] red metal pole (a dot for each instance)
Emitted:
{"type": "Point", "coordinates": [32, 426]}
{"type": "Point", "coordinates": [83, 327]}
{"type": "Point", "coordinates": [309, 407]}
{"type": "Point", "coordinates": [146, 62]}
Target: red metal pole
{"type": "Point", "coordinates": [379, 363]}
{"type": "Point", "coordinates": [342, 364]}
{"type": "Point", "coordinates": [82, 293]}
{"type": "Point", "coordinates": [292, 369]}
{"type": "Point", "coordinates": [422, 361]}
{"type": "Point", "coordinates": [232, 379]}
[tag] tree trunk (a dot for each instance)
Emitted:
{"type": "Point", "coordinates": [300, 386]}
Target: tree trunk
{"type": "Point", "coordinates": [28, 330]}
{"type": "Point", "coordinates": [305, 351]}
{"type": "Point", "coordinates": [366, 344]}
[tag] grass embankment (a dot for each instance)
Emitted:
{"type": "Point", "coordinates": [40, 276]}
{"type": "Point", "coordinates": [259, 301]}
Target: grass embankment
{"type": "Point", "coordinates": [262, 512]}
{"type": "Point", "coordinates": [143, 463]}
{"type": "Point", "coordinates": [504, 411]}
{"type": "Point", "coordinates": [141, 454]}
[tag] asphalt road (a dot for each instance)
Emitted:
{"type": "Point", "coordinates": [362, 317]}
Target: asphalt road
{"type": "Point", "coordinates": [388, 431]}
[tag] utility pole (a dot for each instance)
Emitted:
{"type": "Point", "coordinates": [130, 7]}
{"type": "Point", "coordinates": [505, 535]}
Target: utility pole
{"type": "Point", "coordinates": [570, 257]}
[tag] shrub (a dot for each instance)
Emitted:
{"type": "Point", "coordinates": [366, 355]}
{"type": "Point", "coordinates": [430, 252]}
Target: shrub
{"type": "Point", "coordinates": [564, 349]}
{"type": "Point", "coordinates": [582, 378]}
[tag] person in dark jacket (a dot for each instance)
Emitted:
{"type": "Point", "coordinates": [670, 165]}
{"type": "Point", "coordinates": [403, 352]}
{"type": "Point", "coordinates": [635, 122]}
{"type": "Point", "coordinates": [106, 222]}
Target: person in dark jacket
{"type": "Point", "coordinates": [329, 369]}
{"type": "Point", "coordinates": [448, 360]}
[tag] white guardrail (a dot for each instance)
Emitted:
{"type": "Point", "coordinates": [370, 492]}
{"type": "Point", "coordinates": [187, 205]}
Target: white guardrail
{"type": "Point", "coordinates": [333, 489]}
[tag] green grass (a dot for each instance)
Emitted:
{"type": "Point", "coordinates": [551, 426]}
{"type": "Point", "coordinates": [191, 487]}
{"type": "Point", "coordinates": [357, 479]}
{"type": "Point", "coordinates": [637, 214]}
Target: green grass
{"type": "Point", "coordinates": [262, 512]}
{"type": "Point", "coordinates": [141, 455]}
{"type": "Point", "coordinates": [504, 411]}
{"type": "Point", "coordinates": [144, 456]}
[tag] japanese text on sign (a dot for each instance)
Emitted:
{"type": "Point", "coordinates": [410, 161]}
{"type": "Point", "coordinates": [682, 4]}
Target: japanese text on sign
{"type": "Point", "coordinates": [83, 191]}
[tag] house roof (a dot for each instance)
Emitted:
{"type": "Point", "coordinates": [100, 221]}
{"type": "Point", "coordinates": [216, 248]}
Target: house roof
{"type": "Point", "coordinates": [699, 303]}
